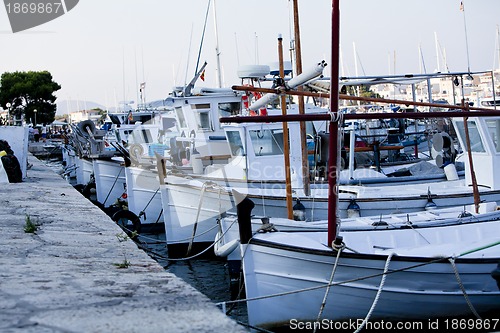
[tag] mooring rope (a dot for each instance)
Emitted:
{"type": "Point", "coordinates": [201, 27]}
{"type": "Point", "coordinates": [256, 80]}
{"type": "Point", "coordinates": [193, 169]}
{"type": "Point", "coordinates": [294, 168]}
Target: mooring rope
{"type": "Point", "coordinates": [143, 212]}
{"type": "Point", "coordinates": [464, 292]}
{"type": "Point", "coordinates": [339, 250]}
{"type": "Point", "coordinates": [379, 292]}
{"type": "Point", "coordinates": [296, 291]}
{"type": "Point", "coordinates": [112, 186]}
{"type": "Point", "coordinates": [195, 226]}
{"type": "Point", "coordinates": [209, 247]}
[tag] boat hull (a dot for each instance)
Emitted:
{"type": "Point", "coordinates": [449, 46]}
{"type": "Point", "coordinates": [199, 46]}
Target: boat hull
{"type": "Point", "coordinates": [110, 181]}
{"type": "Point", "coordinates": [143, 196]}
{"type": "Point", "coordinates": [415, 288]}
{"type": "Point", "coordinates": [84, 170]}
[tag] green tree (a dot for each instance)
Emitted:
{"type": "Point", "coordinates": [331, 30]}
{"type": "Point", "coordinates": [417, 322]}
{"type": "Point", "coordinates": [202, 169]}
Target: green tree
{"type": "Point", "coordinates": [362, 91]}
{"type": "Point", "coordinates": [27, 92]}
{"type": "Point", "coordinates": [102, 114]}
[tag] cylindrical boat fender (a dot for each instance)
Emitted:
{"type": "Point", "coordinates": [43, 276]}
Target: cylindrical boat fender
{"type": "Point", "coordinates": [224, 250]}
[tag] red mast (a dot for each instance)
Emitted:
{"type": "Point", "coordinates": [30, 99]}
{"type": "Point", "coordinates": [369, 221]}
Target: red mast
{"type": "Point", "coordinates": [334, 126]}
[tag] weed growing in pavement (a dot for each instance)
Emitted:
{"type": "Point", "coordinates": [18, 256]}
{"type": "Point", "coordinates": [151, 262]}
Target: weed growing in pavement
{"type": "Point", "coordinates": [30, 226]}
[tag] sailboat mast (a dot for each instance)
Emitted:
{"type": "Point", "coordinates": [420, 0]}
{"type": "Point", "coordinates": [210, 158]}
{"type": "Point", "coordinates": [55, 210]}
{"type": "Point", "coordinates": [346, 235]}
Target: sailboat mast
{"type": "Point", "coordinates": [334, 126]}
{"type": "Point", "coordinates": [217, 52]}
{"type": "Point", "coordinates": [286, 149]}
{"type": "Point", "coordinates": [298, 70]}
{"type": "Point", "coordinates": [437, 52]}
{"type": "Point", "coordinates": [497, 49]}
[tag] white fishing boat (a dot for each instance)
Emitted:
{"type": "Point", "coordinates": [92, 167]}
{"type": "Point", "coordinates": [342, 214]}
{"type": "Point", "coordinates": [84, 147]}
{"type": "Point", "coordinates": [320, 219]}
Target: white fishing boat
{"type": "Point", "coordinates": [110, 182]}
{"type": "Point", "coordinates": [202, 199]}
{"type": "Point", "coordinates": [405, 274]}
{"type": "Point", "coordinates": [227, 239]}
{"type": "Point", "coordinates": [143, 199]}
{"type": "Point", "coordinates": [316, 278]}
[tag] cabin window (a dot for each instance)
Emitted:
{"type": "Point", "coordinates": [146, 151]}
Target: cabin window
{"type": "Point", "coordinates": [229, 109]}
{"type": "Point", "coordinates": [143, 118]}
{"type": "Point", "coordinates": [476, 143]}
{"type": "Point", "coordinates": [141, 136]}
{"type": "Point", "coordinates": [203, 120]}
{"type": "Point", "coordinates": [146, 136]}
{"type": "Point", "coordinates": [235, 143]}
{"type": "Point", "coordinates": [267, 142]}
{"type": "Point", "coordinates": [180, 117]}
{"type": "Point", "coordinates": [494, 130]}
{"type": "Point", "coordinates": [200, 106]}
{"type": "Point", "coordinates": [202, 116]}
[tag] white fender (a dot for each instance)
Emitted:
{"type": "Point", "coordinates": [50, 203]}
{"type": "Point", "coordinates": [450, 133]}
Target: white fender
{"type": "Point", "coordinates": [314, 72]}
{"type": "Point", "coordinates": [226, 249]}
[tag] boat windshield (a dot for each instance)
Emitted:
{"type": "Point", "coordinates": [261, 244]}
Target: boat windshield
{"type": "Point", "coordinates": [267, 142]}
{"type": "Point", "coordinates": [494, 130]}
{"type": "Point", "coordinates": [202, 115]}
{"type": "Point", "coordinates": [476, 143]}
{"type": "Point", "coordinates": [235, 144]}
{"type": "Point", "coordinates": [228, 109]}
{"type": "Point", "coordinates": [180, 117]}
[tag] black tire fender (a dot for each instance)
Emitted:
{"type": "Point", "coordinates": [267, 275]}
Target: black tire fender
{"type": "Point", "coordinates": [130, 216]}
{"type": "Point", "coordinates": [87, 190]}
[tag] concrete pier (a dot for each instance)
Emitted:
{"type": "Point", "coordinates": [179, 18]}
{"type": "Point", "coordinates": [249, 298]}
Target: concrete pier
{"type": "Point", "coordinates": [65, 277]}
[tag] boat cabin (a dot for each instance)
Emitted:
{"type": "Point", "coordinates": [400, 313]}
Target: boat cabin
{"type": "Point", "coordinates": [484, 135]}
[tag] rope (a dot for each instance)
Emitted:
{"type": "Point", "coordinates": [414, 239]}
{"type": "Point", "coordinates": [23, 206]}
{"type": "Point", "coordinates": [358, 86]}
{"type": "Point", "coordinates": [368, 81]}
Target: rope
{"type": "Point", "coordinates": [195, 226]}
{"type": "Point", "coordinates": [339, 250]}
{"type": "Point", "coordinates": [143, 212]}
{"type": "Point", "coordinates": [436, 260]}
{"type": "Point", "coordinates": [455, 270]}
{"type": "Point", "coordinates": [267, 227]}
{"type": "Point", "coordinates": [208, 248]}
{"type": "Point", "coordinates": [377, 296]}
{"type": "Point", "coordinates": [198, 235]}
{"type": "Point", "coordinates": [114, 183]}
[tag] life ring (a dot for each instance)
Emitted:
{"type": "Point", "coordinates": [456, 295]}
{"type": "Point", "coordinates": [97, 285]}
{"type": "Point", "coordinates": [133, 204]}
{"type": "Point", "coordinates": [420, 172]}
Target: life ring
{"type": "Point", "coordinates": [135, 151]}
{"type": "Point", "coordinates": [262, 111]}
{"type": "Point", "coordinates": [123, 217]}
{"type": "Point", "coordinates": [223, 250]}
{"type": "Point", "coordinates": [256, 96]}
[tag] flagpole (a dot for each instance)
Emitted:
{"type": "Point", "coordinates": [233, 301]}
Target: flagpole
{"type": "Point", "coordinates": [462, 9]}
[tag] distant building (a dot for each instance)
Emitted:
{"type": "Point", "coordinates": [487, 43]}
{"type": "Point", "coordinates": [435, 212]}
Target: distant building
{"type": "Point", "coordinates": [78, 116]}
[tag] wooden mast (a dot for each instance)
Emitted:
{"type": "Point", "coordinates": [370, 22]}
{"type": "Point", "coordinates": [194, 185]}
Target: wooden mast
{"type": "Point", "coordinates": [298, 70]}
{"type": "Point", "coordinates": [334, 127]}
{"type": "Point", "coordinates": [334, 118]}
{"type": "Point", "coordinates": [286, 144]}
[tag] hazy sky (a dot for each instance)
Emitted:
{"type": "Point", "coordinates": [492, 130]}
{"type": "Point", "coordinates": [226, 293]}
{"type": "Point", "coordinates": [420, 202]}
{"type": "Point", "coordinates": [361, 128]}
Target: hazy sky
{"type": "Point", "coordinates": [102, 49]}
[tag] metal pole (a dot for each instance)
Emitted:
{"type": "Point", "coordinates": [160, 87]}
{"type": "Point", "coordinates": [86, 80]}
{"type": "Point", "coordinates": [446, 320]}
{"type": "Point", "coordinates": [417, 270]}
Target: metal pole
{"type": "Point", "coordinates": [357, 116]}
{"type": "Point", "coordinates": [281, 90]}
